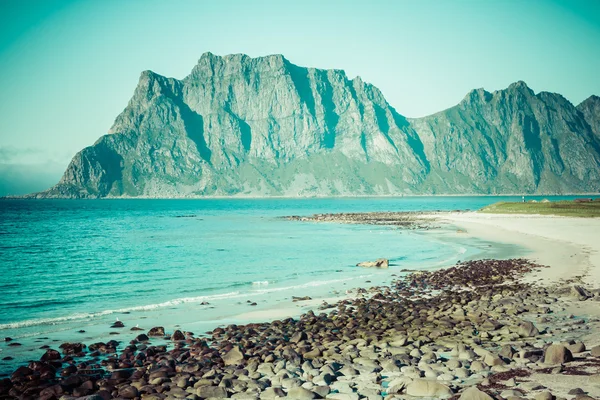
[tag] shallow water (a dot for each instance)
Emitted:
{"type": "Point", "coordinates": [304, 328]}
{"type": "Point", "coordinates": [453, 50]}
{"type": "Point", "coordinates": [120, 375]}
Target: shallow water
{"type": "Point", "coordinates": [69, 265]}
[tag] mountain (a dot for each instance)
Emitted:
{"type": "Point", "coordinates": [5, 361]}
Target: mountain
{"type": "Point", "coordinates": [264, 126]}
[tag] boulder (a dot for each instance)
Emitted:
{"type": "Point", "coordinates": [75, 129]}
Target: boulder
{"type": "Point", "coordinates": [157, 331]}
{"type": "Point", "coordinates": [545, 395]}
{"type": "Point", "coordinates": [233, 356]}
{"type": "Point", "coordinates": [473, 393]}
{"type": "Point", "coordinates": [425, 388]}
{"type": "Point", "coordinates": [300, 393]}
{"type": "Point", "coordinates": [207, 392]}
{"type": "Point", "coordinates": [527, 329]}
{"type": "Point", "coordinates": [580, 293]}
{"type": "Point", "coordinates": [128, 392]}
{"type": "Point", "coordinates": [379, 263]}
{"type": "Point", "coordinates": [178, 335]}
{"type": "Point", "coordinates": [557, 354]}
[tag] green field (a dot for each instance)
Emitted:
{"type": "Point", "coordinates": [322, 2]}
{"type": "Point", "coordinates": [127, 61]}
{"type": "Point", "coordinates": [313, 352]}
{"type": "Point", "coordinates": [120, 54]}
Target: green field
{"type": "Point", "coordinates": [562, 208]}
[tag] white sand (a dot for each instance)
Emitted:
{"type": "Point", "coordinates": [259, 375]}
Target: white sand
{"type": "Point", "coordinates": [570, 246]}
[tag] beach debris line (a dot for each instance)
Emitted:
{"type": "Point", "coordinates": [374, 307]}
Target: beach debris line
{"type": "Point", "coordinates": [475, 330]}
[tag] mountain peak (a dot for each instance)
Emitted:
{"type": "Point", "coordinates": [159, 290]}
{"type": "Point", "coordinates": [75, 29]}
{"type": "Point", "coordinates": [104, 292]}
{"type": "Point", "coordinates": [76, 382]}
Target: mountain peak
{"type": "Point", "coordinates": [520, 86]}
{"type": "Point", "coordinates": [263, 126]}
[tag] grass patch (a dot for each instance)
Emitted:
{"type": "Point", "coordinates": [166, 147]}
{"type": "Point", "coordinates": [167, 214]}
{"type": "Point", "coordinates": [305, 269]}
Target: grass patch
{"type": "Point", "coordinates": [580, 208]}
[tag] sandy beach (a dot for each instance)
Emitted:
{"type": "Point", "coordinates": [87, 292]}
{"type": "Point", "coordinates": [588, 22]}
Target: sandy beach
{"type": "Point", "coordinates": [570, 246]}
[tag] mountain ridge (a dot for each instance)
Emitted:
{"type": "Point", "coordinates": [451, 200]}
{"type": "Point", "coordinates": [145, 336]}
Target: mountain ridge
{"type": "Point", "coordinates": [243, 126]}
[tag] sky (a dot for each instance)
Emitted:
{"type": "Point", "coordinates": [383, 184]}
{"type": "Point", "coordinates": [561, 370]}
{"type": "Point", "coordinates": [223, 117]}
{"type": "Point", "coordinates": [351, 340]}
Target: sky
{"type": "Point", "coordinates": [68, 68]}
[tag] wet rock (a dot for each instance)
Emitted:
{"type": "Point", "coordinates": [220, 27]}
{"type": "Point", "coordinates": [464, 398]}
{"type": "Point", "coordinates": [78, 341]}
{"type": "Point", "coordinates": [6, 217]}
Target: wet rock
{"type": "Point", "coordinates": [379, 263]}
{"type": "Point", "coordinates": [304, 298]}
{"type": "Point", "coordinates": [71, 348]}
{"type": "Point", "coordinates": [178, 335]}
{"type": "Point", "coordinates": [142, 337]}
{"type": "Point", "coordinates": [50, 355]}
{"type": "Point", "coordinates": [157, 331]}
{"type": "Point", "coordinates": [557, 354]}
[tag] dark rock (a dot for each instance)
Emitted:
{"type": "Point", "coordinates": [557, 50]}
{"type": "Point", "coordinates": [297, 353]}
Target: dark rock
{"type": "Point", "coordinates": [157, 331]}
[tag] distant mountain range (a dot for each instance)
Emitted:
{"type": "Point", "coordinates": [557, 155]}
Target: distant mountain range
{"type": "Point", "coordinates": [242, 126]}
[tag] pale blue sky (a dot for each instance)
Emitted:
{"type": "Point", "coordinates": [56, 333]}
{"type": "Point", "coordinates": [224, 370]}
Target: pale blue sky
{"type": "Point", "coordinates": [67, 68]}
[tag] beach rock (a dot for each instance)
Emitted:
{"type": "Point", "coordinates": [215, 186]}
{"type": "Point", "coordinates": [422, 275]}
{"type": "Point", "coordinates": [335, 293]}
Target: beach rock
{"type": "Point", "coordinates": [527, 329]}
{"type": "Point", "coordinates": [557, 354]}
{"type": "Point", "coordinates": [128, 392]}
{"type": "Point", "coordinates": [580, 293]}
{"type": "Point", "coordinates": [425, 388]}
{"type": "Point", "coordinates": [577, 347]}
{"type": "Point", "coordinates": [142, 337]}
{"type": "Point", "coordinates": [272, 393]}
{"type": "Point", "coordinates": [345, 396]}
{"type": "Point", "coordinates": [207, 392]}
{"type": "Point", "coordinates": [178, 335]}
{"type": "Point", "coordinates": [398, 385]}
{"type": "Point", "coordinates": [304, 298]}
{"type": "Point", "coordinates": [379, 263]}
{"type": "Point", "coordinates": [595, 351]}
{"type": "Point", "coordinates": [157, 331]}
{"type": "Point", "coordinates": [117, 324]}
{"type": "Point", "coordinates": [71, 348]}
{"type": "Point", "coordinates": [298, 337]}
{"type": "Point", "coordinates": [510, 393]}
{"type": "Point", "coordinates": [300, 393]}
{"type": "Point", "coordinates": [545, 395]}
{"type": "Point", "coordinates": [233, 356]}
{"type": "Point", "coordinates": [50, 355]}
{"type": "Point", "coordinates": [473, 393]}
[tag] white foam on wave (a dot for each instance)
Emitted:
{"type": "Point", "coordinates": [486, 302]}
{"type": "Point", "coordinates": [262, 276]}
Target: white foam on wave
{"type": "Point", "coordinates": [311, 284]}
{"type": "Point", "coordinates": [83, 316]}
{"type": "Point", "coordinates": [260, 283]}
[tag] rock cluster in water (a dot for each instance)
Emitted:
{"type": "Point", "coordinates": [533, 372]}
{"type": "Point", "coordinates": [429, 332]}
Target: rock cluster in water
{"type": "Point", "coordinates": [473, 331]}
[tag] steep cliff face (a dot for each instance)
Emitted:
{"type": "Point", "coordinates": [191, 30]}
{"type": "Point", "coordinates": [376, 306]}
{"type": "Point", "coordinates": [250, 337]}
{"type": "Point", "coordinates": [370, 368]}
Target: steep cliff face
{"type": "Point", "coordinates": [590, 108]}
{"type": "Point", "coordinates": [263, 126]}
{"type": "Point", "coordinates": [510, 141]}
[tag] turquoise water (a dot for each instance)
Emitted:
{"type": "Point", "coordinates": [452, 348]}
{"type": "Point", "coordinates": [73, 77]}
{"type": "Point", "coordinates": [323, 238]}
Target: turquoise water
{"type": "Point", "coordinates": [69, 265]}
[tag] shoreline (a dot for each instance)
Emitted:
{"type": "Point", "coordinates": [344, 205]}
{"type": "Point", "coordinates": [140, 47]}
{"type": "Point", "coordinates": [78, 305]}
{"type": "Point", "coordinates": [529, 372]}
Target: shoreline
{"type": "Point", "coordinates": [568, 261]}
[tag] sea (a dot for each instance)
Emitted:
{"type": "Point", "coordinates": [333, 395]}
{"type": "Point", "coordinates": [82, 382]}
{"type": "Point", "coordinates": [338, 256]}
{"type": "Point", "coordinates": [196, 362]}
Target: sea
{"type": "Point", "coordinates": [70, 268]}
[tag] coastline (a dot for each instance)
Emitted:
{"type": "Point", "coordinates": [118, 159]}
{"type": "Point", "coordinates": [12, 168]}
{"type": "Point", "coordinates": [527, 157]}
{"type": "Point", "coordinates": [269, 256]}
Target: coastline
{"type": "Point", "coordinates": [564, 244]}
{"type": "Point", "coordinates": [569, 246]}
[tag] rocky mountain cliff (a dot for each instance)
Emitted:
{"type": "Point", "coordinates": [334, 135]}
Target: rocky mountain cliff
{"type": "Point", "coordinates": [264, 126]}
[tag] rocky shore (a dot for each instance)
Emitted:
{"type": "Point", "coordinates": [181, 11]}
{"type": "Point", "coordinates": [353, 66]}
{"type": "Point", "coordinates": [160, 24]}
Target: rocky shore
{"type": "Point", "coordinates": [472, 331]}
{"type": "Point", "coordinates": [404, 219]}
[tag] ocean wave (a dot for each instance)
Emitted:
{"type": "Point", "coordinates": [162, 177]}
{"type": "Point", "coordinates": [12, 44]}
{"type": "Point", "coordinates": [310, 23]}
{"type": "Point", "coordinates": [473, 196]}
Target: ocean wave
{"type": "Point", "coordinates": [260, 283]}
{"type": "Point", "coordinates": [87, 316]}
{"type": "Point", "coordinates": [311, 284]}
